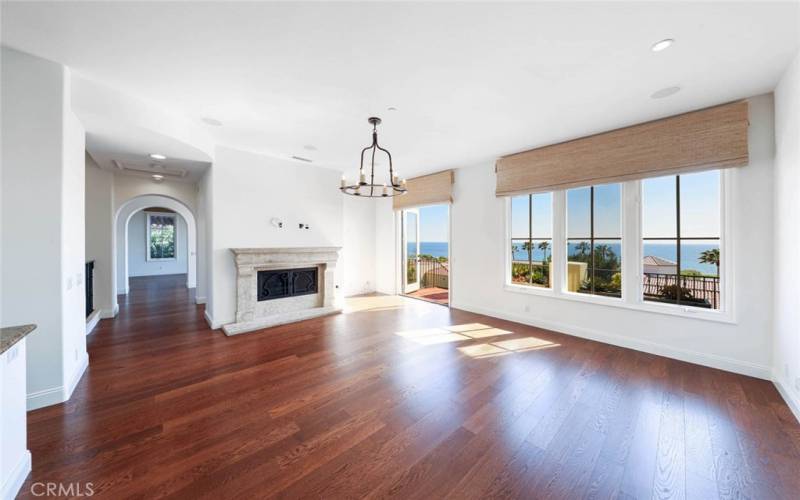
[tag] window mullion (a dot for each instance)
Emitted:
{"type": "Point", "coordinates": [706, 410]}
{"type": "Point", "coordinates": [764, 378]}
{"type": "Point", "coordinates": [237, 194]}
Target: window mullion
{"type": "Point", "coordinates": [632, 273]}
{"type": "Point", "coordinates": [559, 241]}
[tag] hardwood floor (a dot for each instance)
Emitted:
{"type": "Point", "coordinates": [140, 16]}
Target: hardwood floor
{"type": "Point", "coordinates": [401, 398]}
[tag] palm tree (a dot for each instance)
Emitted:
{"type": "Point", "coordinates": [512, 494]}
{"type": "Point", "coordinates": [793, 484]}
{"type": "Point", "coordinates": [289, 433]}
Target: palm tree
{"type": "Point", "coordinates": [544, 246]}
{"type": "Point", "coordinates": [583, 248]}
{"type": "Point", "coordinates": [527, 246]}
{"type": "Point", "coordinates": [602, 251]}
{"type": "Point", "coordinates": [710, 257]}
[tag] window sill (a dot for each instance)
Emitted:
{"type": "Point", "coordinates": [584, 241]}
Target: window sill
{"type": "Point", "coordinates": [648, 307]}
{"type": "Point", "coordinates": [530, 290]}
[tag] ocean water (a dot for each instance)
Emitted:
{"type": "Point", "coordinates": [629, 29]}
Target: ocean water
{"type": "Point", "coordinates": [690, 253]}
{"type": "Point", "coordinates": [434, 248]}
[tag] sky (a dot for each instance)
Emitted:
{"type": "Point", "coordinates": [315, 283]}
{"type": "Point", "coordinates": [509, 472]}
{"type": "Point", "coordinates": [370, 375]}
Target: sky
{"type": "Point", "coordinates": [700, 209]}
{"type": "Point", "coordinates": [433, 223]}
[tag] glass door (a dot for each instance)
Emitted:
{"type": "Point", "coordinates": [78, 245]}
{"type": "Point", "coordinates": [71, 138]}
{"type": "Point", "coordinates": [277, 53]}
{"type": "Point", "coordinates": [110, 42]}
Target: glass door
{"type": "Point", "coordinates": [410, 251]}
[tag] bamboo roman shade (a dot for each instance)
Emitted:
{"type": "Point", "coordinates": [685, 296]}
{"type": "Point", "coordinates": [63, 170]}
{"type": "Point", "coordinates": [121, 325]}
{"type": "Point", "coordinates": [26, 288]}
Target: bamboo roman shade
{"type": "Point", "coordinates": [700, 140]}
{"type": "Point", "coordinates": [427, 190]}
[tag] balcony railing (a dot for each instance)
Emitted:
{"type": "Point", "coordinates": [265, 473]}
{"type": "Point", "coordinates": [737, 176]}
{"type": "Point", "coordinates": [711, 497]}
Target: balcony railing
{"type": "Point", "coordinates": [697, 291]}
{"type": "Point", "coordinates": [432, 272]}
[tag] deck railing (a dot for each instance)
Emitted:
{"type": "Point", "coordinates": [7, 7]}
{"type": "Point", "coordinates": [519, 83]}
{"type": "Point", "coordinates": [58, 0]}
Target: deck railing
{"type": "Point", "coordinates": [432, 272]}
{"type": "Point", "coordinates": [699, 291]}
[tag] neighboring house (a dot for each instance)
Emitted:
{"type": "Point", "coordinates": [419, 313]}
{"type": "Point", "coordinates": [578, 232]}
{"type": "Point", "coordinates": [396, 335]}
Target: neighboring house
{"type": "Point", "coordinates": [657, 265]}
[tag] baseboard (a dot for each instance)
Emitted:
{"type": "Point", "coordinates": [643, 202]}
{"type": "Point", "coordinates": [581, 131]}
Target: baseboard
{"type": "Point", "coordinates": [19, 474]}
{"type": "Point", "coordinates": [210, 321]}
{"type": "Point", "coordinates": [56, 395]}
{"type": "Point", "coordinates": [199, 300]}
{"type": "Point", "coordinates": [76, 376]}
{"type": "Point", "coordinates": [45, 397]}
{"type": "Point", "coordinates": [792, 401]}
{"type": "Point", "coordinates": [92, 321]}
{"type": "Point", "coordinates": [109, 313]}
{"type": "Point", "coordinates": [710, 360]}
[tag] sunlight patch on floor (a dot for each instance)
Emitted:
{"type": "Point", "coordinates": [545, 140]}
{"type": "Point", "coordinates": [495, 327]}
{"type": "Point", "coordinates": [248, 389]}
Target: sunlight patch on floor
{"type": "Point", "coordinates": [471, 331]}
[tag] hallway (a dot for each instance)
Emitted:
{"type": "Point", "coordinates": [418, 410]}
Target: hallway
{"type": "Point", "coordinates": [402, 397]}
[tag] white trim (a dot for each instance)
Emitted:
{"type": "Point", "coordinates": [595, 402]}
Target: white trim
{"type": "Point", "coordinates": [45, 397]}
{"type": "Point", "coordinates": [60, 394]}
{"type": "Point", "coordinates": [792, 401]}
{"type": "Point", "coordinates": [631, 246]}
{"type": "Point", "coordinates": [92, 321]}
{"type": "Point", "coordinates": [199, 300]}
{"type": "Point", "coordinates": [710, 360]}
{"type": "Point", "coordinates": [173, 216]}
{"type": "Point", "coordinates": [109, 313]}
{"type": "Point", "coordinates": [211, 324]}
{"type": "Point", "coordinates": [76, 376]}
{"type": "Point", "coordinates": [17, 477]}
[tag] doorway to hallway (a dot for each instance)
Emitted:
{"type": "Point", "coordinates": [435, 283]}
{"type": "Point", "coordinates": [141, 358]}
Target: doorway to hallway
{"type": "Point", "coordinates": [426, 272]}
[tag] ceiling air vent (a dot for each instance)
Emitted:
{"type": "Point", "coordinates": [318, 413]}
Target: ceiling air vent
{"type": "Point", "coordinates": [300, 158]}
{"type": "Point", "coordinates": [150, 169]}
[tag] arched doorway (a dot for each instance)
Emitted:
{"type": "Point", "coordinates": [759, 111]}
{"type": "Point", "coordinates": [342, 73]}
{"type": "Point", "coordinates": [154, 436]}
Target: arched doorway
{"type": "Point", "coordinates": [121, 269]}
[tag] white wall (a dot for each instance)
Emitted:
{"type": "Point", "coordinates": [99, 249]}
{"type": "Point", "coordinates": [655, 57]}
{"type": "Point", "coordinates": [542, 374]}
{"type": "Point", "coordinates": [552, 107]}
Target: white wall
{"type": "Point", "coordinates": [786, 247]}
{"type": "Point", "coordinates": [358, 255]}
{"type": "Point", "coordinates": [73, 241]}
{"type": "Point", "coordinates": [205, 231]}
{"type": "Point", "coordinates": [246, 191]}
{"type": "Point", "coordinates": [43, 225]}
{"type": "Point", "coordinates": [387, 247]}
{"type": "Point", "coordinates": [99, 230]}
{"type": "Point", "coordinates": [478, 260]}
{"type": "Point", "coordinates": [138, 265]}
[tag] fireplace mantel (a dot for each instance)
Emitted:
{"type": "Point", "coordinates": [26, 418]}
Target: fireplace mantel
{"type": "Point", "coordinates": [252, 314]}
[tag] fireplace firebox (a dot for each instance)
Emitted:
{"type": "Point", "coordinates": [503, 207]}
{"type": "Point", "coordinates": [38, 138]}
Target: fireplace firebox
{"type": "Point", "coordinates": [282, 283]}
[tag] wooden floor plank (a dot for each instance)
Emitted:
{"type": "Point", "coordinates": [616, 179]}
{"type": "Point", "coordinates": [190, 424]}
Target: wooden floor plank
{"type": "Point", "coordinates": [411, 400]}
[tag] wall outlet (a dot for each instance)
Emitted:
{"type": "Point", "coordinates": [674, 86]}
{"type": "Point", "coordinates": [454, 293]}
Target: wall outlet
{"type": "Point", "coordinates": [69, 283]}
{"type": "Point", "coordinates": [79, 279]}
{"type": "Point", "coordinates": [527, 308]}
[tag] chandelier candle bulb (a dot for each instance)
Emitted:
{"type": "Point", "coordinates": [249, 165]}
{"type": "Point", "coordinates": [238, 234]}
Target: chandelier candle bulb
{"type": "Point", "coordinates": [362, 178]}
{"type": "Point", "coordinates": [385, 190]}
{"type": "Point", "coordinates": [344, 182]}
{"type": "Point", "coordinates": [394, 179]}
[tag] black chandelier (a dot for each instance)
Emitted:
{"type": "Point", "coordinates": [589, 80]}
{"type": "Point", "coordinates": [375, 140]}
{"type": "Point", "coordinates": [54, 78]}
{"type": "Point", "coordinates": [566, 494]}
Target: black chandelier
{"type": "Point", "coordinates": [371, 189]}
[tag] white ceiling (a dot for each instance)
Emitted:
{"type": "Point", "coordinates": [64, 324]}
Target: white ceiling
{"type": "Point", "coordinates": [125, 149]}
{"type": "Point", "coordinates": [470, 81]}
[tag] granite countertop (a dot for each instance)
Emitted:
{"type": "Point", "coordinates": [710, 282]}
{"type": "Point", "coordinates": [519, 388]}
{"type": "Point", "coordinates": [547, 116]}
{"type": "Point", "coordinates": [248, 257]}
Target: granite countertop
{"type": "Point", "coordinates": [13, 334]}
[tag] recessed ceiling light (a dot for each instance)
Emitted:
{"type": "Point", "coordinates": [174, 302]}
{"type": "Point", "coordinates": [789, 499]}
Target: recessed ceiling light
{"type": "Point", "coordinates": [309, 147]}
{"type": "Point", "coordinates": [211, 121]}
{"type": "Point", "coordinates": [665, 92]}
{"type": "Point", "coordinates": [158, 177]}
{"type": "Point", "coordinates": [157, 156]}
{"type": "Point", "coordinates": [662, 44]}
{"type": "Point", "coordinates": [391, 108]}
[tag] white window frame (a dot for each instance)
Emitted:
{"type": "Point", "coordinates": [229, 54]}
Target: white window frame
{"type": "Point", "coordinates": [632, 251]}
{"type": "Point", "coordinates": [174, 217]}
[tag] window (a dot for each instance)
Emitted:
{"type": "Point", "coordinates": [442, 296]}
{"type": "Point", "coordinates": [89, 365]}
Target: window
{"type": "Point", "coordinates": [532, 239]}
{"type": "Point", "coordinates": [594, 240]}
{"type": "Point", "coordinates": [681, 239]}
{"type": "Point", "coordinates": [161, 236]}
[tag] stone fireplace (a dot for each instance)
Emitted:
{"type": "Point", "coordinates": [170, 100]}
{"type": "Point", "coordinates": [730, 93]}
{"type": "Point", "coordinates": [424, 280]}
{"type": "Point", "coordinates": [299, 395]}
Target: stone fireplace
{"type": "Point", "coordinates": [275, 286]}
